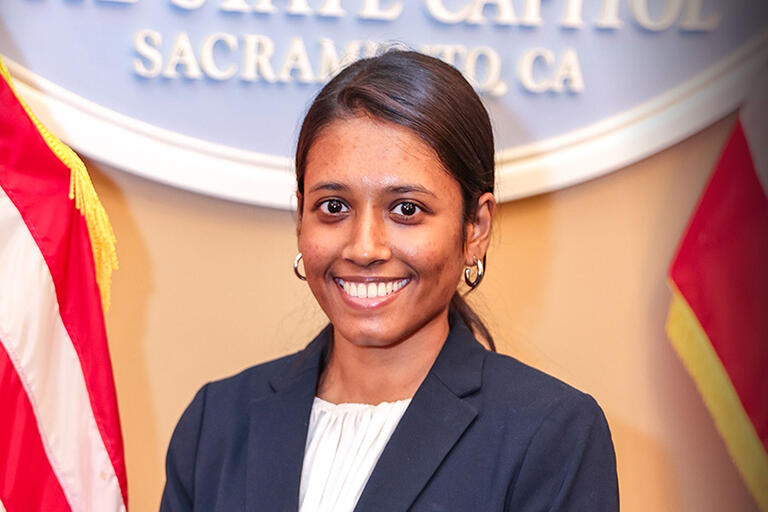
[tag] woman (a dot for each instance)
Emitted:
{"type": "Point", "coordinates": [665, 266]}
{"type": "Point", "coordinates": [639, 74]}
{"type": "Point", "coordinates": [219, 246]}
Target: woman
{"type": "Point", "coordinates": [395, 405]}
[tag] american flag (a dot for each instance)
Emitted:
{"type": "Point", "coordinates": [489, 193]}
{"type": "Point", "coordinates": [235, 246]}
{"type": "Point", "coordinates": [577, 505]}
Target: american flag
{"type": "Point", "coordinates": [61, 447]}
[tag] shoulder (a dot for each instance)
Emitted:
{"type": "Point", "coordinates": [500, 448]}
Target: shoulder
{"type": "Point", "coordinates": [515, 389]}
{"type": "Point", "coordinates": [515, 380]}
{"type": "Point", "coordinates": [231, 395]}
{"type": "Point", "coordinates": [223, 399]}
{"type": "Point", "coordinates": [567, 460]}
{"type": "Point", "coordinates": [253, 381]}
{"type": "Point", "coordinates": [212, 433]}
{"type": "Point", "coordinates": [220, 409]}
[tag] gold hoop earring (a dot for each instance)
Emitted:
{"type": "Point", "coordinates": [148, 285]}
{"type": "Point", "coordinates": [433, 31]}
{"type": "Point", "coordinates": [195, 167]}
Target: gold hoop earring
{"type": "Point", "coordinates": [296, 267]}
{"type": "Point", "coordinates": [468, 274]}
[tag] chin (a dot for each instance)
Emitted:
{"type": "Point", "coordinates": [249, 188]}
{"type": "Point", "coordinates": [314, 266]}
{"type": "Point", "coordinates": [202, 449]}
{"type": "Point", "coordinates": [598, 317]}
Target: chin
{"type": "Point", "coordinates": [382, 323]}
{"type": "Point", "coordinates": [370, 335]}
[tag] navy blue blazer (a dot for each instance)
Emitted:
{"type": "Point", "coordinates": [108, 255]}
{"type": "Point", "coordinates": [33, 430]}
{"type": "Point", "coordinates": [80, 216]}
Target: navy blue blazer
{"type": "Point", "coordinates": [484, 432]}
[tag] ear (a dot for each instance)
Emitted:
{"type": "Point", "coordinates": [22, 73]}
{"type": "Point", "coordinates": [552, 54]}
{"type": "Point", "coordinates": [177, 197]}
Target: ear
{"type": "Point", "coordinates": [479, 229]}
{"type": "Point", "coordinates": [299, 209]}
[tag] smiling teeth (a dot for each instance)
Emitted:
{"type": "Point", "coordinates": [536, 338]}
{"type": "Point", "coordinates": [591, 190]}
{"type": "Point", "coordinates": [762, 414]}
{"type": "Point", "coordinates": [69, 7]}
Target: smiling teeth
{"type": "Point", "coordinates": [371, 290]}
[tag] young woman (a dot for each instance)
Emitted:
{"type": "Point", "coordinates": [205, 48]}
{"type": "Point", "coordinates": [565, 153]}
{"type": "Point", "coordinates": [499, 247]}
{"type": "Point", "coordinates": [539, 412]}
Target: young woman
{"type": "Point", "coordinates": [395, 405]}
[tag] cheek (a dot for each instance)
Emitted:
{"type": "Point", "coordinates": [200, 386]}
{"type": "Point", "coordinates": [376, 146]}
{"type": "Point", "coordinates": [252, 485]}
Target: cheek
{"type": "Point", "coordinates": [315, 257]}
{"type": "Point", "coordinates": [435, 256]}
{"type": "Point", "coordinates": [317, 249]}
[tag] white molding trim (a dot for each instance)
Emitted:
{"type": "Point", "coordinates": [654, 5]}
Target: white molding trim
{"type": "Point", "coordinates": [634, 134]}
{"type": "Point", "coordinates": [267, 180]}
{"type": "Point", "coordinates": [156, 153]}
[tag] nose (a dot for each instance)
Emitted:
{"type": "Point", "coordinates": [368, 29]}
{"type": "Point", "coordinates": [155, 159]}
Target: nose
{"type": "Point", "coordinates": [368, 241]}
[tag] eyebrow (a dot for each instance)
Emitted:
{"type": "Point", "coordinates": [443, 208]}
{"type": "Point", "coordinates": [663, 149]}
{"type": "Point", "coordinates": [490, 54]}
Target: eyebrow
{"type": "Point", "coordinates": [406, 189]}
{"type": "Point", "coordinates": [394, 189]}
{"type": "Point", "coordinates": [330, 185]}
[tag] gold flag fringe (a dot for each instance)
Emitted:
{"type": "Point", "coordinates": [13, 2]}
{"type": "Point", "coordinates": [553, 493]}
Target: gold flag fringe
{"type": "Point", "coordinates": [86, 201]}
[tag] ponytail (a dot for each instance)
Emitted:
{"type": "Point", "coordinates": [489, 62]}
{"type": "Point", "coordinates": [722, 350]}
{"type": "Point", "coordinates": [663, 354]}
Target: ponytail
{"type": "Point", "coordinates": [472, 319]}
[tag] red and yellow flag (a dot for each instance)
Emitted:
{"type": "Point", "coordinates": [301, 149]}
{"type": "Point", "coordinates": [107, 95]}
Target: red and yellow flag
{"type": "Point", "coordinates": [61, 447]}
{"type": "Point", "coordinates": [718, 318]}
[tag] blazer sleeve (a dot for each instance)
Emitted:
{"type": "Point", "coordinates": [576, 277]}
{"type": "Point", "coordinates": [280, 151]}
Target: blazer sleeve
{"type": "Point", "coordinates": [570, 464]}
{"type": "Point", "coordinates": [178, 494]}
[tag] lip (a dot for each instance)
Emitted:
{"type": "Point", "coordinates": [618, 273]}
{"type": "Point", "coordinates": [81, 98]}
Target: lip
{"type": "Point", "coordinates": [369, 279]}
{"type": "Point", "coordinates": [372, 302]}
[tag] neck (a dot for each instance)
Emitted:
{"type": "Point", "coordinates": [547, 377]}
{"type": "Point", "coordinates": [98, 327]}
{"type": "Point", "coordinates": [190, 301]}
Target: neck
{"type": "Point", "coordinates": [374, 374]}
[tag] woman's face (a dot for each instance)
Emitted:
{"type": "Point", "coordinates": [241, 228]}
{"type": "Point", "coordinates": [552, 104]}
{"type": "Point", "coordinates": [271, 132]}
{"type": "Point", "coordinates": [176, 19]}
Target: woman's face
{"type": "Point", "coordinates": [381, 231]}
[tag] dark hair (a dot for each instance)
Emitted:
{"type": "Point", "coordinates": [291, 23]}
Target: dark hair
{"type": "Point", "coordinates": [435, 102]}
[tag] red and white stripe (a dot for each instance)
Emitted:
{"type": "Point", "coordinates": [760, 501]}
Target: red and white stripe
{"type": "Point", "coordinates": [48, 373]}
{"type": "Point", "coordinates": [60, 440]}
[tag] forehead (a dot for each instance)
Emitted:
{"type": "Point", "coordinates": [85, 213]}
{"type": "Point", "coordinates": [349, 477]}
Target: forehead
{"type": "Point", "coordinates": [365, 153]}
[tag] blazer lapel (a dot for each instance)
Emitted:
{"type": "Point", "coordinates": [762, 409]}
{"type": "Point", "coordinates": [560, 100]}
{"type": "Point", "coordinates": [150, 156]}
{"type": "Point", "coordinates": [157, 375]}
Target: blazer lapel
{"type": "Point", "coordinates": [433, 423]}
{"type": "Point", "coordinates": [278, 432]}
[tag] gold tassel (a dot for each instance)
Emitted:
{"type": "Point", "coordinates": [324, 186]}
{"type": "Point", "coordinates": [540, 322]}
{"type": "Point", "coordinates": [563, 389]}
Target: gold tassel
{"type": "Point", "coordinates": [99, 229]}
{"type": "Point", "coordinates": [86, 201]}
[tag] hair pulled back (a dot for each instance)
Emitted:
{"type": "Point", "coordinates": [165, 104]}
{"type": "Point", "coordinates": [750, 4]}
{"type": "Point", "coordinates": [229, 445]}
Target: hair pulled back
{"type": "Point", "coordinates": [434, 101]}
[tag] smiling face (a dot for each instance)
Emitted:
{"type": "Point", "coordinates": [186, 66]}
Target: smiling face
{"type": "Point", "coordinates": [381, 232]}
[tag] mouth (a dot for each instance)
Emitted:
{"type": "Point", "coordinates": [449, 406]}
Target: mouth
{"type": "Point", "coordinates": [371, 289]}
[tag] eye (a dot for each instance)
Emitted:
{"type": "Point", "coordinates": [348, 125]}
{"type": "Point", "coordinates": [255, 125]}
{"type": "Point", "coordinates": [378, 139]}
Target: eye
{"type": "Point", "coordinates": [406, 209]}
{"type": "Point", "coordinates": [333, 207]}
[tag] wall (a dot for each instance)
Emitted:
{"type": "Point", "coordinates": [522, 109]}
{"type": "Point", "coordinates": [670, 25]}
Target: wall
{"type": "Point", "coordinates": [575, 286]}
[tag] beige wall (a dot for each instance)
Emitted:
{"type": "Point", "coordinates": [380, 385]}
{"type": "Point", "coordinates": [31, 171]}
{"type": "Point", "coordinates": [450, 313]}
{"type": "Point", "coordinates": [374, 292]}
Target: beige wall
{"type": "Point", "coordinates": [576, 286]}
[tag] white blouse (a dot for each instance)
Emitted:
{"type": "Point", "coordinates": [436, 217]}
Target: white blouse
{"type": "Point", "coordinates": [344, 443]}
